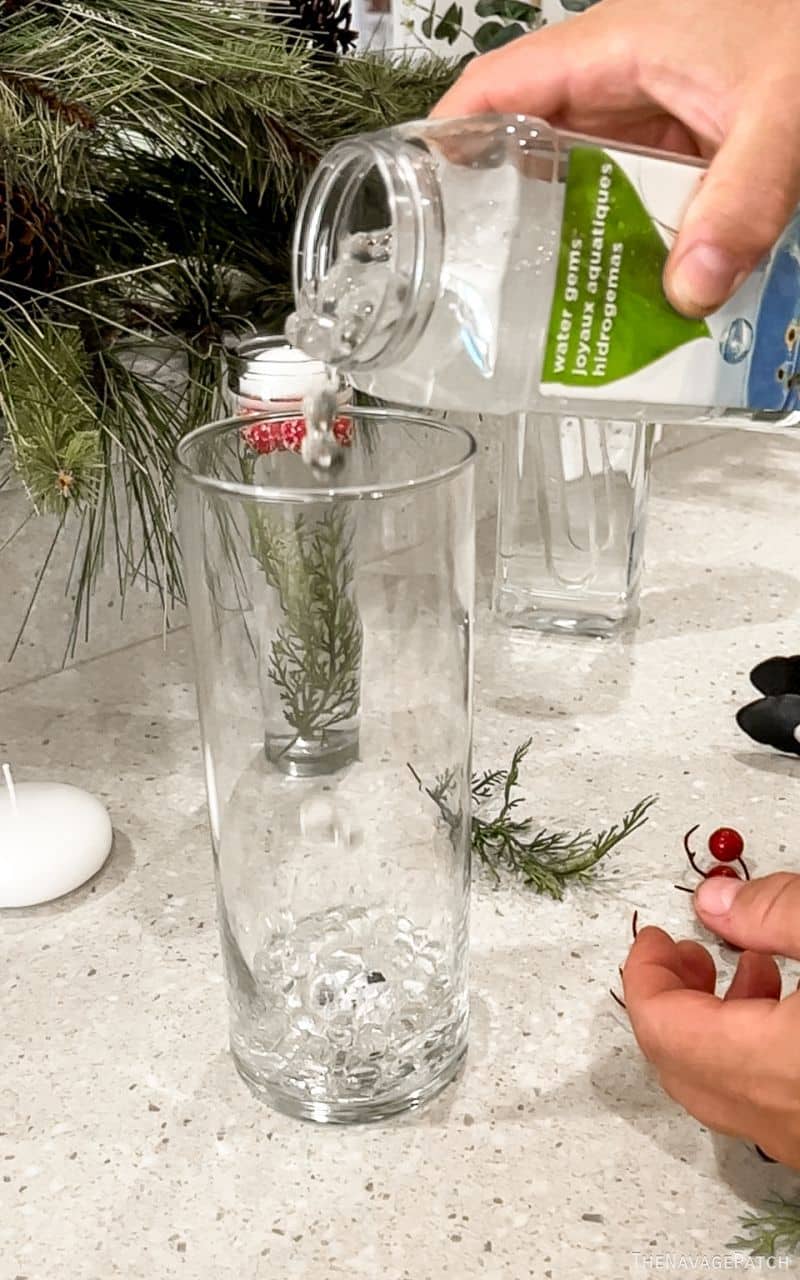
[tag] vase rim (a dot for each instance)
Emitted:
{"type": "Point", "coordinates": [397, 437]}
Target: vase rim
{"type": "Point", "coordinates": [325, 493]}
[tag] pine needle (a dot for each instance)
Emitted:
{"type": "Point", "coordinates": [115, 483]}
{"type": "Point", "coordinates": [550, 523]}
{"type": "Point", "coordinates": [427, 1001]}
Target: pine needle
{"type": "Point", "coordinates": [37, 587]}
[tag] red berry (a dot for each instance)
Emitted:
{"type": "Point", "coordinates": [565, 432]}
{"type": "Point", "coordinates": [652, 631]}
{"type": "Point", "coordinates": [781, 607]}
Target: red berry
{"type": "Point", "coordinates": [725, 844]}
{"type": "Point", "coordinates": [289, 433]}
{"type": "Point", "coordinates": [730, 873]}
{"type": "Point", "coordinates": [343, 431]}
{"type": "Point", "coordinates": [293, 431]}
{"type": "Point", "coordinates": [262, 437]}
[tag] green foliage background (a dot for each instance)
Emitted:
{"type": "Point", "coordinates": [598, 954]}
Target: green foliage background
{"type": "Point", "coordinates": [151, 159]}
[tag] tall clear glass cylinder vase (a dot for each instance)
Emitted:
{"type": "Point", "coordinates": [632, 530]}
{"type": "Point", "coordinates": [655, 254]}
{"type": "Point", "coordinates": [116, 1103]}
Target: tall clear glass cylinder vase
{"type": "Point", "coordinates": [571, 523]}
{"type": "Point", "coordinates": [343, 874]}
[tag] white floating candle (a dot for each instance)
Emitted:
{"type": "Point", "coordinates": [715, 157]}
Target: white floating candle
{"type": "Point", "coordinates": [280, 377]}
{"type": "Point", "coordinates": [281, 374]}
{"type": "Point", "coordinates": [53, 838]}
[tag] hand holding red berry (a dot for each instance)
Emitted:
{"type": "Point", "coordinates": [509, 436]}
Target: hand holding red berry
{"type": "Point", "coordinates": [732, 1060]}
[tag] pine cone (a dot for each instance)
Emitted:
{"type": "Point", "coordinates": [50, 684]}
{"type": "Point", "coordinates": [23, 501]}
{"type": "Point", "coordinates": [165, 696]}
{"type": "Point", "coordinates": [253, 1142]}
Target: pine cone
{"type": "Point", "coordinates": [327, 22]}
{"type": "Point", "coordinates": [31, 248]}
{"type": "Point", "coordinates": [13, 6]}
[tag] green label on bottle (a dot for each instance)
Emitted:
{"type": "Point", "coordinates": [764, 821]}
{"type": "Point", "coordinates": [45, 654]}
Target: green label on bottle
{"type": "Point", "coordinates": [610, 318]}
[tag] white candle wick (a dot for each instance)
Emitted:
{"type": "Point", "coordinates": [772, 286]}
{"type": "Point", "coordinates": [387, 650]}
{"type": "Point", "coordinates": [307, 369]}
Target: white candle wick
{"type": "Point", "coordinates": [12, 790]}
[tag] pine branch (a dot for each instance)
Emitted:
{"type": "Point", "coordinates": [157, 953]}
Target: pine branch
{"type": "Point", "coordinates": [378, 92]}
{"type": "Point", "coordinates": [170, 144]}
{"type": "Point", "coordinates": [70, 112]}
{"type": "Point", "coordinates": [546, 861]}
{"type": "Point", "coordinates": [93, 438]}
{"type": "Point", "coordinates": [133, 517]}
{"type": "Point", "coordinates": [773, 1233]}
{"type": "Point", "coordinates": [162, 73]}
{"type": "Point", "coordinates": [46, 399]}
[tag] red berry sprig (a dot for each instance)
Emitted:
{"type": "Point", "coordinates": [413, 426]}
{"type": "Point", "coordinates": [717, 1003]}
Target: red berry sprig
{"type": "Point", "coordinates": [727, 846]}
{"type": "Point", "coordinates": [288, 434]}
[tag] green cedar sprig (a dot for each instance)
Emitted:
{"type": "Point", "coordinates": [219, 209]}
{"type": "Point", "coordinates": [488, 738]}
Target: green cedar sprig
{"type": "Point", "coordinates": [315, 657]}
{"type": "Point", "coordinates": [547, 861]}
{"type": "Point", "coordinates": [772, 1233]}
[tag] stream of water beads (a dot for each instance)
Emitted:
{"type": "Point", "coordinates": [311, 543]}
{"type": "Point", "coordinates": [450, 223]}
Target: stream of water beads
{"type": "Point", "coordinates": [352, 1003]}
{"type": "Point", "coordinates": [361, 292]}
{"type": "Point", "coordinates": [321, 451]}
{"type": "Point", "coordinates": [327, 325]}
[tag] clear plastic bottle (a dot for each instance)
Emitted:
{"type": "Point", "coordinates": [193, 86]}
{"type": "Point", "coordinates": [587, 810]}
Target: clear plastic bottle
{"type": "Point", "coordinates": [497, 264]}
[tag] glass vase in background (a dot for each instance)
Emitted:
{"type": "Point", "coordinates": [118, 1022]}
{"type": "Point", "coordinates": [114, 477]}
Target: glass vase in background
{"type": "Point", "coordinates": [571, 523]}
{"type": "Point", "coordinates": [344, 890]}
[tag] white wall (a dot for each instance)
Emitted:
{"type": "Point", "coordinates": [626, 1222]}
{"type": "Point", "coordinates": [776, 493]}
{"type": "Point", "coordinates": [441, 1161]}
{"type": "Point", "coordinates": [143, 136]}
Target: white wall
{"type": "Point", "coordinates": [375, 24]}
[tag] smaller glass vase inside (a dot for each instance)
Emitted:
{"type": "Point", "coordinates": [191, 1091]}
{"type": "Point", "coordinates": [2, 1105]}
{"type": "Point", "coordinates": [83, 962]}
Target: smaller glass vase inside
{"type": "Point", "coordinates": [571, 523]}
{"type": "Point", "coordinates": [332, 628]}
{"type": "Point", "coordinates": [267, 375]}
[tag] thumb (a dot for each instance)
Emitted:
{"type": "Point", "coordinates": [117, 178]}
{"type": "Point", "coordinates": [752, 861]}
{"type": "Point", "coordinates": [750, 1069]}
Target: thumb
{"type": "Point", "coordinates": [745, 200]}
{"type": "Point", "coordinates": [755, 915]}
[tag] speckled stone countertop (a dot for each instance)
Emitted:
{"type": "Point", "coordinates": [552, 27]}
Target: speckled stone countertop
{"type": "Point", "coordinates": [129, 1147]}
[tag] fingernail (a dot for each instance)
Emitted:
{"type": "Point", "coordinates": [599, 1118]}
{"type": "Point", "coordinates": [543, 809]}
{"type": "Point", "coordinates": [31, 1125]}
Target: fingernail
{"type": "Point", "coordinates": [703, 278]}
{"type": "Point", "coordinates": [715, 897]}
